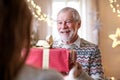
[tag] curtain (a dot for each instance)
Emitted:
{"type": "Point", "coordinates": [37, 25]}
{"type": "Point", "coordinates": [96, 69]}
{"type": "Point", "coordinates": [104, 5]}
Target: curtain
{"type": "Point", "coordinates": [90, 21]}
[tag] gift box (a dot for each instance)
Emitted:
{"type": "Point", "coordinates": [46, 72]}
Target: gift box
{"type": "Point", "coordinates": [59, 58]}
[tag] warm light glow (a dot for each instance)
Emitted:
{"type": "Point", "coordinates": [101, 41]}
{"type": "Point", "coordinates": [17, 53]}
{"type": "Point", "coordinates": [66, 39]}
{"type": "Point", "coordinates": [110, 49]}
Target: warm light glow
{"type": "Point", "coordinates": [115, 5]}
{"type": "Point", "coordinates": [112, 78]}
{"type": "Point", "coordinates": [115, 37]}
{"type": "Point", "coordinates": [37, 13]}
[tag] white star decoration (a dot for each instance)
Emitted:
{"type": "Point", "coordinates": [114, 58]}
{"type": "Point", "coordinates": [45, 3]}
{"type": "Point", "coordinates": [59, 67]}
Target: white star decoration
{"type": "Point", "coordinates": [115, 37]}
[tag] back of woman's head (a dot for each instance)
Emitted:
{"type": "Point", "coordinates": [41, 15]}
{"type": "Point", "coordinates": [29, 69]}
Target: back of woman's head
{"type": "Point", "coordinates": [15, 22]}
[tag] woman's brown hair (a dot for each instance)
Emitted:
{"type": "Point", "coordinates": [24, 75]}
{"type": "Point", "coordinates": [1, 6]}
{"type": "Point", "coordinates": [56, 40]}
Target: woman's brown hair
{"type": "Point", "coordinates": [15, 24]}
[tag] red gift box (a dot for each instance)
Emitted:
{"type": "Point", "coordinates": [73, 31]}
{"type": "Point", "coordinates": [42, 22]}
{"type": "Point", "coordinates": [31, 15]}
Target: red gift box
{"type": "Point", "coordinates": [58, 58]}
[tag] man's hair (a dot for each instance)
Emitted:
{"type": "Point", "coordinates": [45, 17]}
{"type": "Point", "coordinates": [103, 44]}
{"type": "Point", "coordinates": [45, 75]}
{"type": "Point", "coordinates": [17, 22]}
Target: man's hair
{"type": "Point", "coordinates": [15, 24]}
{"type": "Point", "coordinates": [75, 13]}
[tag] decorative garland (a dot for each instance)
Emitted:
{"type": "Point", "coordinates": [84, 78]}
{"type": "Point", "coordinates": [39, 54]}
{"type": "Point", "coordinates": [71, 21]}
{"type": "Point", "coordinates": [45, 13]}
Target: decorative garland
{"type": "Point", "coordinates": [37, 13]}
{"type": "Point", "coordinates": [115, 5]}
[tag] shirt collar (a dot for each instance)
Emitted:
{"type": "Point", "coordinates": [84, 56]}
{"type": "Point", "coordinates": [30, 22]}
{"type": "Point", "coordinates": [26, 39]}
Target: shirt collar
{"type": "Point", "coordinates": [77, 42]}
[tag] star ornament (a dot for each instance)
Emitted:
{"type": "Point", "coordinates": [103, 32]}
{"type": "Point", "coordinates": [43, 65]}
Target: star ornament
{"type": "Point", "coordinates": [116, 38]}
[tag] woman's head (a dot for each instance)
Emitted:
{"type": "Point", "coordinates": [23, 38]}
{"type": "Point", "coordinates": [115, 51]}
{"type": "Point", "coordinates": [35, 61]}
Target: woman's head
{"type": "Point", "coordinates": [68, 23]}
{"type": "Point", "coordinates": [15, 22]}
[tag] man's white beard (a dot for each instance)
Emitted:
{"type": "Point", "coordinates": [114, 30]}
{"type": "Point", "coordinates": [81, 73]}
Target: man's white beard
{"type": "Point", "coordinates": [66, 38]}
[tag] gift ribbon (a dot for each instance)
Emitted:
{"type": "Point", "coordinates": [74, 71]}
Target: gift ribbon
{"type": "Point", "coordinates": [45, 60]}
{"type": "Point", "coordinates": [73, 56]}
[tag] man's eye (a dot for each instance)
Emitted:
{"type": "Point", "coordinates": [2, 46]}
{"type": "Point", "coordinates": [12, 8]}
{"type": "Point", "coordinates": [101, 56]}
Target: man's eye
{"type": "Point", "coordinates": [69, 21]}
{"type": "Point", "coordinates": [59, 22]}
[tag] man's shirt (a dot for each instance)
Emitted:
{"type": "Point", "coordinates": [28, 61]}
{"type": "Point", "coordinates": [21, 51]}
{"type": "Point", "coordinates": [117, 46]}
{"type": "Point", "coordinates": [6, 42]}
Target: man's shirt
{"type": "Point", "coordinates": [88, 55]}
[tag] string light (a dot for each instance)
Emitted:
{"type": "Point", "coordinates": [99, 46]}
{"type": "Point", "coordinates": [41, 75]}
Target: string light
{"type": "Point", "coordinates": [115, 37]}
{"type": "Point", "coordinates": [37, 13]}
{"type": "Point", "coordinates": [115, 5]}
{"type": "Point", "coordinates": [112, 78]}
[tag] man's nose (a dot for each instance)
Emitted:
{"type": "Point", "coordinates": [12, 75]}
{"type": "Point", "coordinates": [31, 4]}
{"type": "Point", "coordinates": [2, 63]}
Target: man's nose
{"type": "Point", "coordinates": [64, 26]}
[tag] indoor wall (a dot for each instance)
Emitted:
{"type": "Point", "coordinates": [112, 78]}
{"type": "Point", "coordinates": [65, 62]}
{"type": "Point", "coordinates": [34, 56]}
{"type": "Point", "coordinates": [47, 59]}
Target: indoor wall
{"type": "Point", "coordinates": [109, 24]}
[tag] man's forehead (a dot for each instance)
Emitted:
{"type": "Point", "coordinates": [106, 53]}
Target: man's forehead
{"type": "Point", "coordinates": [65, 12]}
{"type": "Point", "coordinates": [64, 16]}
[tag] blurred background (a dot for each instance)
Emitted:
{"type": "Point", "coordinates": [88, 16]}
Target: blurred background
{"type": "Point", "coordinates": [100, 25]}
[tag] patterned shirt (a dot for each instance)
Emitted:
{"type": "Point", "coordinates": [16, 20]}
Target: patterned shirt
{"type": "Point", "coordinates": [88, 55]}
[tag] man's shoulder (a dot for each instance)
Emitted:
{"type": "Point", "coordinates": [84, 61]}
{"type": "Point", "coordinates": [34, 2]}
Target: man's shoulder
{"type": "Point", "coordinates": [86, 47]}
{"type": "Point", "coordinates": [85, 43]}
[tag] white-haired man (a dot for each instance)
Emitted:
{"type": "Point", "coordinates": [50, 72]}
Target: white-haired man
{"type": "Point", "coordinates": [88, 54]}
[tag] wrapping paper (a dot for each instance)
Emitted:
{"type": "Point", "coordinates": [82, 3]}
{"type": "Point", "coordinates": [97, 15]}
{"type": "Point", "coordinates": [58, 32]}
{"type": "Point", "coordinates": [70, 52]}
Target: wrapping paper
{"type": "Point", "coordinates": [58, 58]}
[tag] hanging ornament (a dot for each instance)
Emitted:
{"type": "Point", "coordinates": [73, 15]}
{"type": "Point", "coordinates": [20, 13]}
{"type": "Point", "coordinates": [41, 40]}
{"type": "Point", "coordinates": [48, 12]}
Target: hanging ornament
{"type": "Point", "coordinates": [116, 38]}
{"type": "Point", "coordinates": [115, 5]}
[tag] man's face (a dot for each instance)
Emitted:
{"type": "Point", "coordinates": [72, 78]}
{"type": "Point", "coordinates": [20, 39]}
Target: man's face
{"type": "Point", "coordinates": [67, 26]}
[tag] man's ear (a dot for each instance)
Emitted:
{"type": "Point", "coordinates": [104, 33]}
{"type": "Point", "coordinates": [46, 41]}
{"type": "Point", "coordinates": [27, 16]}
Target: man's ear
{"type": "Point", "coordinates": [79, 24]}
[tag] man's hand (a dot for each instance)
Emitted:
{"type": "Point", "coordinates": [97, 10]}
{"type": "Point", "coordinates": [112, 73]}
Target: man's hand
{"type": "Point", "coordinates": [75, 72]}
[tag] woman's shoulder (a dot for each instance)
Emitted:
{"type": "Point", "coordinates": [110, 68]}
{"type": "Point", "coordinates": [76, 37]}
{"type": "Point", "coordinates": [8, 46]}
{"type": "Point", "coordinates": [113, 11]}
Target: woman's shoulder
{"type": "Point", "coordinates": [28, 73]}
